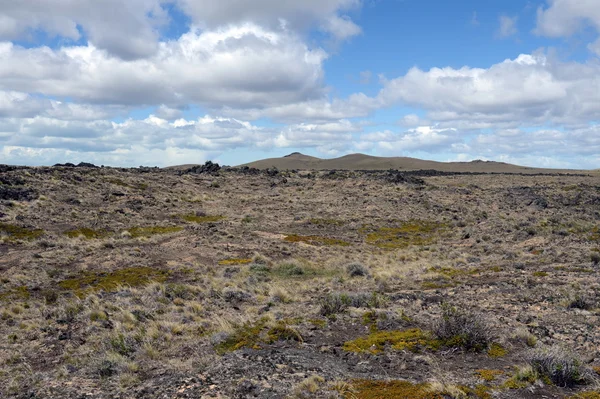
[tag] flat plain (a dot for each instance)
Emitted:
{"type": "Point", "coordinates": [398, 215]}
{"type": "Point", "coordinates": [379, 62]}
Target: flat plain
{"type": "Point", "coordinates": [238, 282]}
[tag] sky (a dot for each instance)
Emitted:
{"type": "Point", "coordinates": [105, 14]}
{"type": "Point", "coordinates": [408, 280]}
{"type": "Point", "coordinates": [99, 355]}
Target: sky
{"type": "Point", "coordinates": [168, 82]}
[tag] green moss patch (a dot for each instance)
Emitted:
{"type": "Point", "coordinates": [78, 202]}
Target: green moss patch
{"type": "Point", "coordinates": [18, 293]}
{"type": "Point", "coordinates": [229, 262]}
{"type": "Point", "coordinates": [372, 389]}
{"type": "Point", "coordinates": [316, 240]}
{"type": "Point", "coordinates": [89, 282]}
{"type": "Point", "coordinates": [137, 232]}
{"type": "Point", "coordinates": [413, 340]}
{"type": "Point", "coordinates": [496, 350]}
{"type": "Point", "coordinates": [586, 395]}
{"type": "Point", "coordinates": [489, 375]}
{"type": "Point", "coordinates": [15, 233]}
{"type": "Point", "coordinates": [252, 335]}
{"type": "Point", "coordinates": [438, 283]}
{"type": "Point", "coordinates": [417, 232]}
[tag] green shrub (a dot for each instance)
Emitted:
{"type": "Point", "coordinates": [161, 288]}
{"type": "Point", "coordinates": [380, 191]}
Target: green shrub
{"type": "Point", "coordinates": [339, 302]}
{"type": "Point", "coordinates": [461, 328]}
{"type": "Point", "coordinates": [562, 367]}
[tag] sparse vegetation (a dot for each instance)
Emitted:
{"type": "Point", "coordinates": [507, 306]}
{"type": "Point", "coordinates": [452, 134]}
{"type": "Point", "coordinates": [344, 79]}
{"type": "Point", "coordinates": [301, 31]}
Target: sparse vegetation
{"type": "Point", "coordinates": [136, 232]}
{"type": "Point", "coordinates": [561, 367]}
{"type": "Point", "coordinates": [168, 290]}
{"type": "Point", "coordinates": [371, 389]}
{"type": "Point", "coordinates": [15, 233]}
{"type": "Point", "coordinates": [316, 240]}
{"type": "Point", "coordinates": [464, 329]}
{"type": "Point", "coordinates": [416, 232]}
{"type": "Point", "coordinates": [339, 302]}
{"type": "Point", "coordinates": [412, 340]}
{"type": "Point", "coordinates": [88, 282]}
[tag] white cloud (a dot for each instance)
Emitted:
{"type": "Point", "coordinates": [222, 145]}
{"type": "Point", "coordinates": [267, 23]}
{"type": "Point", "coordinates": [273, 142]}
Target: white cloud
{"type": "Point", "coordinates": [508, 26]}
{"type": "Point", "coordinates": [168, 113]}
{"type": "Point", "coordinates": [320, 111]}
{"type": "Point", "coordinates": [531, 89]}
{"type": "Point", "coordinates": [237, 66]}
{"type": "Point", "coordinates": [411, 120]}
{"type": "Point", "coordinates": [341, 27]}
{"type": "Point", "coordinates": [423, 138]}
{"type": "Point", "coordinates": [567, 17]}
{"type": "Point", "coordinates": [294, 15]}
{"type": "Point", "coordinates": [128, 29]}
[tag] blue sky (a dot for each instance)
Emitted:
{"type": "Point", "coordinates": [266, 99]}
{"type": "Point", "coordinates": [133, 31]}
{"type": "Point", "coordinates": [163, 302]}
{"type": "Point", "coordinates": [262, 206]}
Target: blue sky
{"type": "Point", "coordinates": [163, 82]}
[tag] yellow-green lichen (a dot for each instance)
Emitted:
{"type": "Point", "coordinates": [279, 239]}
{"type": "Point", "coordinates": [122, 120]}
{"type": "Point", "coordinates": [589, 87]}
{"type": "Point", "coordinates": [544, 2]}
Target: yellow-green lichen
{"type": "Point", "coordinates": [373, 389]}
{"type": "Point", "coordinates": [252, 335]}
{"type": "Point", "coordinates": [438, 283]}
{"type": "Point", "coordinates": [320, 323]}
{"type": "Point", "coordinates": [412, 340]}
{"type": "Point", "coordinates": [540, 274]}
{"type": "Point", "coordinates": [489, 375]}
{"type": "Point", "coordinates": [496, 350]}
{"type": "Point", "coordinates": [235, 261]}
{"type": "Point", "coordinates": [417, 232]}
{"type": "Point", "coordinates": [316, 240]}
{"type": "Point", "coordinates": [15, 233]}
{"type": "Point", "coordinates": [586, 395]}
{"type": "Point", "coordinates": [522, 378]}
{"type": "Point", "coordinates": [17, 293]}
{"type": "Point", "coordinates": [89, 282]}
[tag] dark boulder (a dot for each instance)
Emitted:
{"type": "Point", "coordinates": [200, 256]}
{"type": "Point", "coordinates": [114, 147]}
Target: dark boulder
{"type": "Point", "coordinates": [208, 168]}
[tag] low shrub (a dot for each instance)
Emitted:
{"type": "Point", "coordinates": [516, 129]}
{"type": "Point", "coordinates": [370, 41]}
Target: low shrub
{"type": "Point", "coordinates": [356, 270]}
{"type": "Point", "coordinates": [339, 302]}
{"type": "Point", "coordinates": [457, 327]}
{"type": "Point", "coordinates": [561, 367]}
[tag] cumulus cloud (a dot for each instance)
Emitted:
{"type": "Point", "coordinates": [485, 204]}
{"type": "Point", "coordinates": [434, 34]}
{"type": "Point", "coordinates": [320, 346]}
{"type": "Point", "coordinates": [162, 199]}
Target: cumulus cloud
{"type": "Point", "coordinates": [295, 15]}
{"type": "Point", "coordinates": [53, 132]}
{"type": "Point", "coordinates": [531, 89]}
{"type": "Point", "coordinates": [567, 17]}
{"type": "Point", "coordinates": [423, 138]}
{"type": "Point", "coordinates": [128, 29]}
{"type": "Point", "coordinates": [320, 110]}
{"type": "Point", "coordinates": [237, 66]}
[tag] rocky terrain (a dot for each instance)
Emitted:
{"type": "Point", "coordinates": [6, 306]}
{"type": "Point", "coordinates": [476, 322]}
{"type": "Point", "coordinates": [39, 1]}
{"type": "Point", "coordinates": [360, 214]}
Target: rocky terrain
{"type": "Point", "coordinates": [206, 282]}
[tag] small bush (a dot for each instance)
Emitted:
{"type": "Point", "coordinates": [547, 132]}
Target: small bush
{"type": "Point", "coordinates": [561, 367]}
{"type": "Point", "coordinates": [595, 258]}
{"type": "Point", "coordinates": [464, 329]}
{"type": "Point", "coordinates": [523, 335]}
{"type": "Point", "coordinates": [581, 302]}
{"type": "Point", "coordinates": [290, 269]}
{"type": "Point", "coordinates": [356, 270]}
{"type": "Point", "coordinates": [339, 302]}
{"type": "Point", "coordinates": [235, 296]}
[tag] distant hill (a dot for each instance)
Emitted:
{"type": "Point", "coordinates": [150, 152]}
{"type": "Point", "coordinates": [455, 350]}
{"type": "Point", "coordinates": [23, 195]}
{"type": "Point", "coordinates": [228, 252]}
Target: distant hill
{"type": "Point", "coordinates": [368, 162]}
